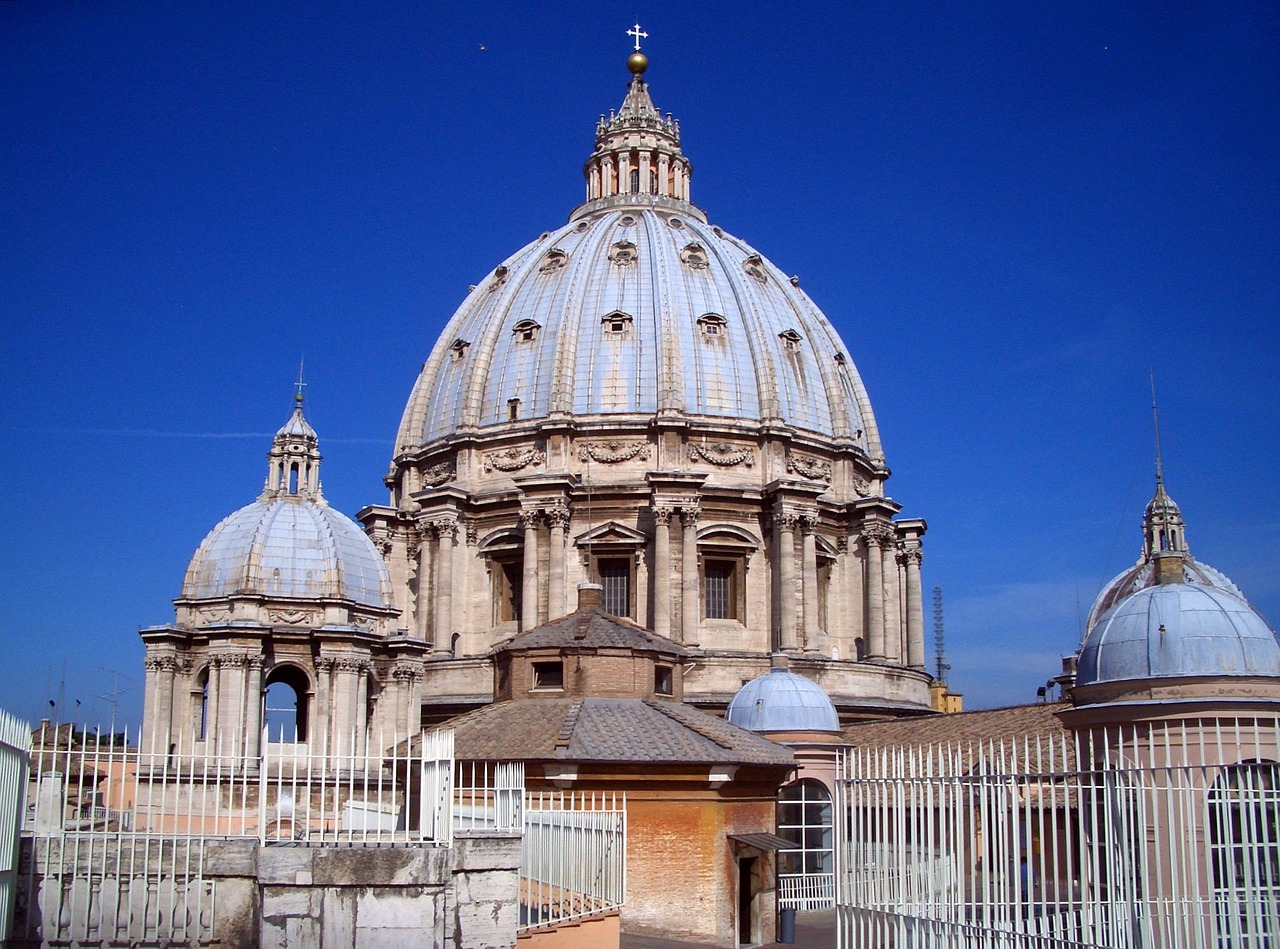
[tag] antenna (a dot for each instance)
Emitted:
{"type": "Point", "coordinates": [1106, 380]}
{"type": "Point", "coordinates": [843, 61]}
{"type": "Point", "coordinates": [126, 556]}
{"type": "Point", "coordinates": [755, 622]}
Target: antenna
{"type": "Point", "coordinates": [1155, 419]}
{"type": "Point", "coordinates": [942, 666]}
{"type": "Point", "coordinates": [112, 696]}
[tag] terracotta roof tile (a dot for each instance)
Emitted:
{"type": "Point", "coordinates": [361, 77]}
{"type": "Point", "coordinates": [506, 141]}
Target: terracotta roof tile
{"type": "Point", "coordinates": [967, 730]}
{"type": "Point", "coordinates": [617, 730]}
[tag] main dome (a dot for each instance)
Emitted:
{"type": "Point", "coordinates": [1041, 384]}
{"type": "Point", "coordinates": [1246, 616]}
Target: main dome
{"type": "Point", "coordinates": [640, 400]}
{"type": "Point", "coordinates": [638, 307]}
{"type": "Point", "coordinates": [636, 310]}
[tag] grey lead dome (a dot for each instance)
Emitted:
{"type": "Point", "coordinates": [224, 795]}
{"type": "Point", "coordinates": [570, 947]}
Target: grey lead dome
{"type": "Point", "coordinates": [781, 701]}
{"type": "Point", "coordinates": [291, 548]}
{"type": "Point", "coordinates": [1178, 629]}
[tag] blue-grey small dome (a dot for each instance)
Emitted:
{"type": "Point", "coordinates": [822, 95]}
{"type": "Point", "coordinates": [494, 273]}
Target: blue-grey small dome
{"type": "Point", "coordinates": [290, 546]}
{"type": "Point", "coordinates": [781, 701]}
{"type": "Point", "coordinates": [1178, 629]}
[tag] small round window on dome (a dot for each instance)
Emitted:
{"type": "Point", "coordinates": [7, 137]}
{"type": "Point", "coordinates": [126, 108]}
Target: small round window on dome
{"type": "Point", "coordinates": [623, 254]}
{"type": "Point", "coordinates": [626, 220]}
{"type": "Point", "coordinates": [582, 226]}
{"type": "Point", "coordinates": [694, 256]}
{"type": "Point", "coordinates": [553, 261]}
{"type": "Point", "coordinates": [675, 222]}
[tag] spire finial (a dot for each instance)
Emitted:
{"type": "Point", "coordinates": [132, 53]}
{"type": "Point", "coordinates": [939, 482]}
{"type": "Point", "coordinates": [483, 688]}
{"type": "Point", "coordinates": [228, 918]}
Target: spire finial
{"type": "Point", "coordinates": [637, 62]}
{"type": "Point", "coordinates": [1155, 418]}
{"type": "Point", "coordinates": [300, 384]}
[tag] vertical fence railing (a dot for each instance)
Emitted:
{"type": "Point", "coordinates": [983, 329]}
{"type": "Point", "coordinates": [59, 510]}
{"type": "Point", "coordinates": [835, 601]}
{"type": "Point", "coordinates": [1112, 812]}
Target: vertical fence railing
{"type": "Point", "coordinates": [15, 751]}
{"type": "Point", "coordinates": [1158, 835]}
{"type": "Point", "coordinates": [87, 782]}
{"type": "Point", "coordinates": [118, 835]}
{"type": "Point", "coordinates": [573, 857]}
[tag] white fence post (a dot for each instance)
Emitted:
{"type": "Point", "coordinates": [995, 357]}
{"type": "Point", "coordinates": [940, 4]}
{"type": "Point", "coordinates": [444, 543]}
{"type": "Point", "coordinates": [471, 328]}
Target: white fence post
{"type": "Point", "coordinates": [15, 752]}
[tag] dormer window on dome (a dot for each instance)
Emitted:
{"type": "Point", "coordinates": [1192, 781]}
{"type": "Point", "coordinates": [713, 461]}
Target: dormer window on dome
{"type": "Point", "coordinates": [754, 266]}
{"type": "Point", "coordinates": [499, 278]}
{"type": "Point", "coordinates": [713, 325]}
{"type": "Point", "coordinates": [526, 331]}
{"type": "Point", "coordinates": [617, 323]}
{"type": "Point", "coordinates": [790, 340]}
{"type": "Point", "coordinates": [459, 349]}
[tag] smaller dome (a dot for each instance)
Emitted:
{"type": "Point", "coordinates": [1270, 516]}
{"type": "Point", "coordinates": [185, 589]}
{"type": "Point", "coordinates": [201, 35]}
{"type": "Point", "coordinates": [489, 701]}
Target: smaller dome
{"type": "Point", "coordinates": [1178, 629]}
{"type": "Point", "coordinates": [781, 701]}
{"type": "Point", "coordinates": [290, 547]}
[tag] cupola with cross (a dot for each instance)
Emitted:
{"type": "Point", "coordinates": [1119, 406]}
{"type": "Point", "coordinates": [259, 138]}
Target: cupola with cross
{"type": "Point", "coordinates": [637, 149]}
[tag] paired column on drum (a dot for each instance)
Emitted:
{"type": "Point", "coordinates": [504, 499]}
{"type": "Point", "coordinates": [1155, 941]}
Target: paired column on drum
{"type": "Point", "coordinates": [433, 613]}
{"type": "Point", "coordinates": [796, 622]}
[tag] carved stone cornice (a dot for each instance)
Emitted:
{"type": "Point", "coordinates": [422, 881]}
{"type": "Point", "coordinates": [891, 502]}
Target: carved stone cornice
{"type": "Point", "coordinates": [613, 452]}
{"type": "Point", "coordinates": [811, 468]}
{"type": "Point", "coordinates": [293, 617]}
{"type": "Point", "coordinates": [513, 459]}
{"type": "Point", "coordinates": [722, 454]}
{"type": "Point", "coordinates": [439, 474]}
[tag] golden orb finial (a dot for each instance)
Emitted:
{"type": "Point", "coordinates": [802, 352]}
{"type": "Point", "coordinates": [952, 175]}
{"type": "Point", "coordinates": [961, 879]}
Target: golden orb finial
{"type": "Point", "coordinates": [637, 63]}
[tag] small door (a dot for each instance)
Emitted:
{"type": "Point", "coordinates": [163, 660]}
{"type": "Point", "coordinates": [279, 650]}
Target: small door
{"type": "Point", "coordinates": [746, 899]}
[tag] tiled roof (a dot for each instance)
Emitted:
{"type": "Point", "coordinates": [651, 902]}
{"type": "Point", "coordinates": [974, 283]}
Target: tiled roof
{"type": "Point", "coordinates": [592, 628]}
{"type": "Point", "coordinates": [614, 730]}
{"type": "Point", "coordinates": [969, 729]}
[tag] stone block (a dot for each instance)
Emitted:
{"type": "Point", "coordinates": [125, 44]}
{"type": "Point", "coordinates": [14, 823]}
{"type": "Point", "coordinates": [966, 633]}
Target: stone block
{"type": "Point", "coordinates": [487, 852]}
{"type": "Point", "coordinates": [288, 902]}
{"type": "Point", "coordinates": [385, 907]}
{"type": "Point", "coordinates": [281, 865]}
{"type": "Point", "coordinates": [231, 858]}
{"type": "Point", "coordinates": [340, 917]}
{"type": "Point", "coordinates": [371, 866]}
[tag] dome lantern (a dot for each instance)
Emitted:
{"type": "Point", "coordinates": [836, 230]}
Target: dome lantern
{"type": "Point", "coordinates": [637, 154]}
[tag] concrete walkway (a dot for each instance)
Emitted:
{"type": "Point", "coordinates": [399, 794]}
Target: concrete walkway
{"type": "Point", "coordinates": [813, 931]}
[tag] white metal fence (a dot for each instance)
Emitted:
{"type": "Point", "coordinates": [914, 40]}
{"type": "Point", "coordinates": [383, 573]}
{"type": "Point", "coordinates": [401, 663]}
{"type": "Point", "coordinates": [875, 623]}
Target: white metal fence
{"type": "Point", "coordinates": [573, 858]}
{"type": "Point", "coordinates": [118, 837]}
{"type": "Point", "coordinates": [15, 749]}
{"type": "Point", "coordinates": [87, 783]}
{"type": "Point", "coordinates": [1164, 835]}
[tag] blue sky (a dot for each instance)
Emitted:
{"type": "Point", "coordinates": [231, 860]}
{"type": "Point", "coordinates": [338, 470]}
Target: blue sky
{"type": "Point", "coordinates": [1010, 211]}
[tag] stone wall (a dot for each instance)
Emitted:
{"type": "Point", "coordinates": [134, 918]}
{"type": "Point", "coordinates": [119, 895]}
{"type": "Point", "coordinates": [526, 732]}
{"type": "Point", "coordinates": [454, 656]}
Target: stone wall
{"type": "Point", "coordinates": [246, 895]}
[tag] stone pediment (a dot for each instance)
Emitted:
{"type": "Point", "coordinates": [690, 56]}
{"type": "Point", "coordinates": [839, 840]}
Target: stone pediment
{"type": "Point", "coordinates": [611, 533]}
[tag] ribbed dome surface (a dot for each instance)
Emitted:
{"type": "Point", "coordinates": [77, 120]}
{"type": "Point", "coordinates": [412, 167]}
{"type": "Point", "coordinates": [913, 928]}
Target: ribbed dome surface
{"type": "Point", "coordinates": [634, 310]}
{"type": "Point", "coordinates": [781, 701]}
{"type": "Point", "coordinates": [1178, 629]}
{"type": "Point", "coordinates": [291, 547]}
